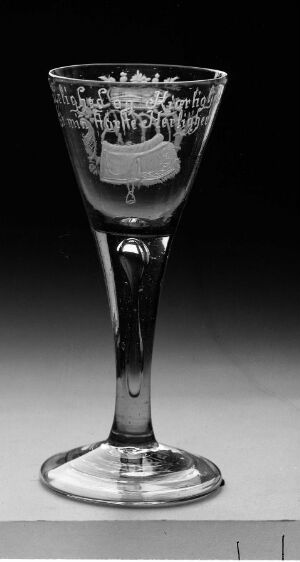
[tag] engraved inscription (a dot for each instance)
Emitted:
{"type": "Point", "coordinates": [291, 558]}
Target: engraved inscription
{"type": "Point", "coordinates": [132, 136]}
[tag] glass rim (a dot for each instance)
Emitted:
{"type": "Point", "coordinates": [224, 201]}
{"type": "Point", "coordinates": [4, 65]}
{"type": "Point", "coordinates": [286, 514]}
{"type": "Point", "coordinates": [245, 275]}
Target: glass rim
{"type": "Point", "coordinates": [219, 77]}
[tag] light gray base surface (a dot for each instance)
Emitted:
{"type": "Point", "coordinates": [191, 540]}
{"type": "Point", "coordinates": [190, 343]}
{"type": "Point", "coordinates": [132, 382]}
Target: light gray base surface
{"type": "Point", "coordinates": [190, 540]}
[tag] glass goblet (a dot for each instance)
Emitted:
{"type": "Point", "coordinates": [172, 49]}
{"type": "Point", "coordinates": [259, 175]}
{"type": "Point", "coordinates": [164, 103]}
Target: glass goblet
{"type": "Point", "coordinates": [135, 135]}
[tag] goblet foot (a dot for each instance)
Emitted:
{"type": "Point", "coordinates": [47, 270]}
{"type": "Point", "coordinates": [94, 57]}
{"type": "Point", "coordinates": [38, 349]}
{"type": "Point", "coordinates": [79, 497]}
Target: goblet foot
{"type": "Point", "coordinates": [131, 476]}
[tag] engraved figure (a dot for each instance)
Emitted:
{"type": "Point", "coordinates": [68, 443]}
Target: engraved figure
{"type": "Point", "coordinates": [90, 144]}
{"type": "Point", "coordinates": [147, 163]}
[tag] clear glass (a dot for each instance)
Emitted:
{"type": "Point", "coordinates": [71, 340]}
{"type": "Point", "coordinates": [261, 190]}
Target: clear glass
{"type": "Point", "coordinates": [135, 134]}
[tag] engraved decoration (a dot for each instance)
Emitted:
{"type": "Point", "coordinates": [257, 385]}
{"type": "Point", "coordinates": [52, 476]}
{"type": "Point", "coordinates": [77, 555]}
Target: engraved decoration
{"type": "Point", "coordinates": [147, 162]}
{"type": "Point", "coordinates": [132, 136]}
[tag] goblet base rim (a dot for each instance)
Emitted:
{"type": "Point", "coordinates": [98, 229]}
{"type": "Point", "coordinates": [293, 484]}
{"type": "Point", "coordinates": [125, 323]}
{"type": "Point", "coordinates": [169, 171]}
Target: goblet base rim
{"type": "Point", "coordinates": [157, 475]}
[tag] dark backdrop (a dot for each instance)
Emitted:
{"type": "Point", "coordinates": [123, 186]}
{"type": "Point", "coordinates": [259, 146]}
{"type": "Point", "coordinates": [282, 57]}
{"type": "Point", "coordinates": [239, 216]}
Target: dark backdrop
{"type": "Point", "coordinates": [248, 174]}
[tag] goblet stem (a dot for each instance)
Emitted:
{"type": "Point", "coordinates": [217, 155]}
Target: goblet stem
{"type": "Point", "coordinates": [133, 269]}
